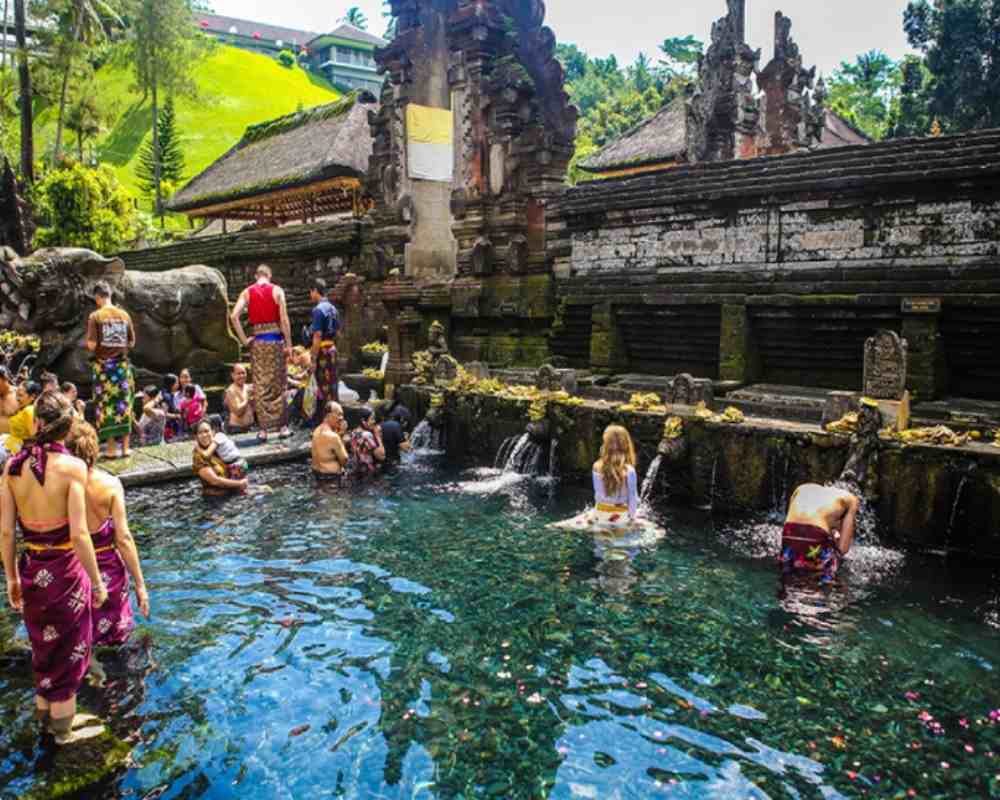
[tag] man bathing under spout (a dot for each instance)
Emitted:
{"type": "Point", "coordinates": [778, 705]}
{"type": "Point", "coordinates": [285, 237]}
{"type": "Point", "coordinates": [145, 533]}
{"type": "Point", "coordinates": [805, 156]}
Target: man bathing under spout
{"type": "Point", "coordinates": [819, 530]}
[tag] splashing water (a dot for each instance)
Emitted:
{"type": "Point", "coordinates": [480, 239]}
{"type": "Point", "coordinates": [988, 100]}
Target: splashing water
{"type": "Point", "coordinates": [646, 495]}
{"type": "Point", "coordinates": [426, 438]}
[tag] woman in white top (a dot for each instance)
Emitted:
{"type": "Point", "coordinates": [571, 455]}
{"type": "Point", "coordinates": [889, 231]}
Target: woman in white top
{"type": "Point", "coordinates": [616, 492]}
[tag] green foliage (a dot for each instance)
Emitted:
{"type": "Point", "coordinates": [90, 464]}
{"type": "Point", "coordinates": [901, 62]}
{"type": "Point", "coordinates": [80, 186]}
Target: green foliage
{"type": "Point", "coordinates": [681, 55]}
{"type": "Point", "coordinates": [961, 43]}
{"type": "Point", "coordinates": [912, 116]}
{"type": "Point", "coordinates": [171, 155]}
{"type": "Point", "coordinates": [84, 118]}
{"type": "Point", "coordinates": [356, 17]}
{"type": "Point", "coordinates": [286, 58]}
{"type": "Point", "coordinates": [865, 92]}
{"type": "Point", "coordinates": [612, 100]}
{"type": "Point", "coordinates": [84, 207]}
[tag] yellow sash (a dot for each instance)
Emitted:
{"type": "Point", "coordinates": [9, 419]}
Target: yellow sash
{"type": "Point", "coordinates": [612, 509]}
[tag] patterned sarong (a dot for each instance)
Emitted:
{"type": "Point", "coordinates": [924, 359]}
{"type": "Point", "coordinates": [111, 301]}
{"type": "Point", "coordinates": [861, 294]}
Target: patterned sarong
{"type": "Point", "coordinates": [613, 521]}
{"type": "Point", "coordinates": [114, 621]}
{"type": "Point", "coordinates": [57, 613]}
{"type": "Point", "coordinates": [114, 393]}
{"type": "Point", "coordinates": [326, 377]}
{"type": "Point", "coordinates": [270, 378]}
{"type": "Point", "coordinates": [808, 548]}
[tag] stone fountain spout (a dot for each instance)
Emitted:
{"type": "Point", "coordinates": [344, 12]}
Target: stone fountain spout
{"type": "Point", "coordinates": [863, 448]}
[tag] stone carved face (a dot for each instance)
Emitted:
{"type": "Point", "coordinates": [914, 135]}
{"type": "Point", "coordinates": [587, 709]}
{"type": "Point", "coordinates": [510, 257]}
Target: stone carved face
{"type": "Point", "coordinates": [53, 288]}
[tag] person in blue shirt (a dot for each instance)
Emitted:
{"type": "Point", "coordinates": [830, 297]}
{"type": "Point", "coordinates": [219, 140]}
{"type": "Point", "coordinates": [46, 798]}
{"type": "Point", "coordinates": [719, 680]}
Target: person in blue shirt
{"type": "Point", "coordinates": [324, 328]}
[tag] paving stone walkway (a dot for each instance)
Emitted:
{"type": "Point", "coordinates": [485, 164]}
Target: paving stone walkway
{"type": "Point", "coordinates": [171, 462]}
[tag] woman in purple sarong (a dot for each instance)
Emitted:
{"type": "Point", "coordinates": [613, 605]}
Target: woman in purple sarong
{"type": "Point", "coordinates": [56, 583]}
{"type": "Point", "coordinates": [117, 555]}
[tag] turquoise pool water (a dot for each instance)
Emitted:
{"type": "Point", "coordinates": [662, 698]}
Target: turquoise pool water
{"type": "Point", "coordinates": [429, 638]}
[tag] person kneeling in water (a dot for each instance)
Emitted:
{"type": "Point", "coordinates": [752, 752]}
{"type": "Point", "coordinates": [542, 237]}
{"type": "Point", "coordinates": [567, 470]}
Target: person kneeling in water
{"type": "Point", "coordinates": [616, 492]}
{"type": "Point", "coordinates": [329, 455]}
{"type": "Point", "coordinates": [819, 530]}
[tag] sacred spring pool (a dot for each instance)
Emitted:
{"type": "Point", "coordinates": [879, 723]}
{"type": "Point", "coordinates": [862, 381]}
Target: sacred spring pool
{"type": "Point", "coordinates": [428, 637]}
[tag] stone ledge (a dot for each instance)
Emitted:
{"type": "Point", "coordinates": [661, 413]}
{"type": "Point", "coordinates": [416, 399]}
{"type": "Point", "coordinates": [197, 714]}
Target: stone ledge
{"type": "Point", "coordinates": [172, 462]}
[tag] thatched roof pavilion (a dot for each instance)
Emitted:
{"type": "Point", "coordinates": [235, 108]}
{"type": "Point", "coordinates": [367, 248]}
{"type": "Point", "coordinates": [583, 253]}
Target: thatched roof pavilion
{"type": "Point", "coordinates": [661, 142]}
{"type": "Point", "coordinates": [295, 168]}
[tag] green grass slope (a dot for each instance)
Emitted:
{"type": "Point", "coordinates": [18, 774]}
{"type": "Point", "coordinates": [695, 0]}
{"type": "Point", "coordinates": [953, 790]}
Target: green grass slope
{"type": "Point", "coordinates": [236, 88]}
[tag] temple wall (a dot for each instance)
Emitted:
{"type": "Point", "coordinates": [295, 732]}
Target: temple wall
{"type": "Point", "coordinates": [776, 270]}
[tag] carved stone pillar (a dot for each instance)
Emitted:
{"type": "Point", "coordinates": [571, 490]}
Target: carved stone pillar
{"type": "Point", "coordinates": [738, 357]}
{"type": "Point", "coordinates": [400, 297]}
{"type": "Point", "coordinates": [927, 372]}
{"type": "Point", "coordinates": [607, 345]}
{"type": "Point", "coordinates": [349, 293]}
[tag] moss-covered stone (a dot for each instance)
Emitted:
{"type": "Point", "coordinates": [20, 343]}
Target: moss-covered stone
{"type": "Point", "coordinates": [80, 768]}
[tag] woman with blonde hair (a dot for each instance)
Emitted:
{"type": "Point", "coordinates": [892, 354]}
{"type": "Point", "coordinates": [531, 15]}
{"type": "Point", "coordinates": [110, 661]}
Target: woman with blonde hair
{"type": "Point", "coordinates": [616, 490]}
{"type": "Point", "coordinates": [117, 555]}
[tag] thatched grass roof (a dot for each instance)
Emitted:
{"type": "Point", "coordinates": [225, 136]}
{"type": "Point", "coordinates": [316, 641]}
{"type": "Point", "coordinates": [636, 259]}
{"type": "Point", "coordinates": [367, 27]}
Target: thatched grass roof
{"type": "Point", "coordinates": [293, 151]}
{"type": "Point", "coordinates": [662, 137]}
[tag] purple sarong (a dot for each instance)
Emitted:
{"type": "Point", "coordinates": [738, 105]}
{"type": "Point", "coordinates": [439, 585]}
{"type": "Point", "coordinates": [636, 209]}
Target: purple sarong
{"type": "Point", "coordinates": [57, 613]}
{"type": "Point", "coordinates": [114, 621]}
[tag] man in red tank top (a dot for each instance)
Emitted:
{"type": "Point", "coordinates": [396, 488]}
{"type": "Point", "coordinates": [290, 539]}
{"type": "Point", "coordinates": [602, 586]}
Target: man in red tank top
{"type": "Point", "coordinates": [270, 348]}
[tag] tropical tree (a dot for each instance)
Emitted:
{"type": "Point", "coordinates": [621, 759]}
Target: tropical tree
{"type": "Point", "coordinates": [866, 92]}
{"type": "Point", "coordinates": [912, 116]}
{"type": "Point", "coordinates": [25, 97]}
{"type": "Point", "coordinates": [356, 17]}
{"type": "Point", "coordinates": [960, 40]}
{"type": "Point", "coordinates": [162, 46]}
{"type": "Point", "coordinates": [681, 54]}
{"type": "Point", "coordinates": [79, 24]}
{"type": "Point", "coordinates": [84, 118]}
{"type": "Point", "coordinates": [170, 156]}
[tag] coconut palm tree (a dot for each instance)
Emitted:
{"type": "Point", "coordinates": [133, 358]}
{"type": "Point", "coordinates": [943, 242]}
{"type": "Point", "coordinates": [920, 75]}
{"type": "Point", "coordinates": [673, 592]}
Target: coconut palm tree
{"type": "Point", "coordinates": [88, 23]}
{"type": "Point", "coordinates": [356, 17]}
{"type": "Point", "coordinates": [25, 97]}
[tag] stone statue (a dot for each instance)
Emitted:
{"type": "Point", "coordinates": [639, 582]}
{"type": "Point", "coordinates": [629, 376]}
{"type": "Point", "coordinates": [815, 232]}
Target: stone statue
{"type": "Point", "coordinates": [437, 344]}
{"type": "Point", "coordinates": [180, 316]}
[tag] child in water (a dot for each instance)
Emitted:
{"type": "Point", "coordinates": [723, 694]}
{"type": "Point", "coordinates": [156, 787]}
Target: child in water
{"type": "Point", "coordinates": [227, 451]}
{"type": "Point", "coordinates": [616, 492]}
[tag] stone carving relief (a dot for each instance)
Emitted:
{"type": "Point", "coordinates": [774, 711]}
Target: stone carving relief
{"type": "Point", "coordinates": [686, 390]}
{"type": "Point", "coordinates": [885, 366]}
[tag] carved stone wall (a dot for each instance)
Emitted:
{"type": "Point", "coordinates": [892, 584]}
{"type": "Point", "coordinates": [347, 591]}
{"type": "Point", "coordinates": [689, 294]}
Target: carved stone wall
{"type": "Point", "coordinates": [807, 255]}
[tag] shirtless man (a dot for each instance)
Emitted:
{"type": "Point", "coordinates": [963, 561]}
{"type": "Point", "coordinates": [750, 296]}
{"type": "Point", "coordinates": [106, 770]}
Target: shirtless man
{"type": "Point", "coordinates": [8, 401]}
{"type": "Point", "coordinates": [819, 530]}
{"type": "Point", "coordinates": [329, 455]}
{"type": "Point", "coordinates": [239, 401]}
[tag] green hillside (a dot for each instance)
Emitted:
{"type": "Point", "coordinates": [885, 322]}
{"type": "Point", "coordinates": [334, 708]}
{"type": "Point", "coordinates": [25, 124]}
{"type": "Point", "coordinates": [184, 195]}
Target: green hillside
{"type": "Point", "coordinates": [236, 89]}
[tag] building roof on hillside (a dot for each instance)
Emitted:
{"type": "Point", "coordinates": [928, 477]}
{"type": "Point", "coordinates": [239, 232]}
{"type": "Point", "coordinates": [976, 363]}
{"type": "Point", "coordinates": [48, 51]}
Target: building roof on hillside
{"type": "Point", "coordinates": [301, 165]}
{"type": "Point", "coordinates": [350, 32]}
{"type": "Point", "coordinates": [662, 137]}
{"type": "Point", "coordinates": [243, 27]}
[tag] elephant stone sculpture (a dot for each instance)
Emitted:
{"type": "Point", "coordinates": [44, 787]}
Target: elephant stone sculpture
{"type": "Point", "coordinates": [180, 316]}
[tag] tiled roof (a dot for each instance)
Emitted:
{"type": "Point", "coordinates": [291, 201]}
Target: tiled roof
{"type": "Point", "coordinates": [347, 31]}
{"type": "Point", "coordinates": [865, 167]}
{"type": "Point", "coordinates": [272, 33]}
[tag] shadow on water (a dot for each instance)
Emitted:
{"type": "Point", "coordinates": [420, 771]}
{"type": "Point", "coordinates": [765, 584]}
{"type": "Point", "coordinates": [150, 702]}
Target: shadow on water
{"type": "Point", "coordinates": [429, 637]}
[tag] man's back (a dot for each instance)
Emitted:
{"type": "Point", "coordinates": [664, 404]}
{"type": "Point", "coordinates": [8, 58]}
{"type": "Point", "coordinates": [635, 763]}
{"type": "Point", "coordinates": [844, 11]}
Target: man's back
{"type": "Point", "coordinates": [324, 450]}
{"type": "Point", "coordinates": [822, 506]}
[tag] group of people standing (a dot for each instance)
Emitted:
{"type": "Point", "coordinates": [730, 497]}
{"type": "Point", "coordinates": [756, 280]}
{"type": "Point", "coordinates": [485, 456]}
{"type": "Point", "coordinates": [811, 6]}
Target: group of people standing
{"type": "Point", "coordinates": [270, 348]}
{"type": "Point", "coordinates": [71, 582]}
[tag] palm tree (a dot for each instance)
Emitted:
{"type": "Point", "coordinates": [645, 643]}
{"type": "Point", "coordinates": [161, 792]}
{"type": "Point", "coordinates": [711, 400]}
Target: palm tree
{"type": "Point", "coordinates": [356, 17]}
{"type": "Point", "coordinates": [88, 24]}
{"type": "Point", "coordinates": [25, 98]}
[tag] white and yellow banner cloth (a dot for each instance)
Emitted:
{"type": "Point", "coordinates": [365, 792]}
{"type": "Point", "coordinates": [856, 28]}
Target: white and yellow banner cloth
{"type": "Point", "coordinates": [429, 148]}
